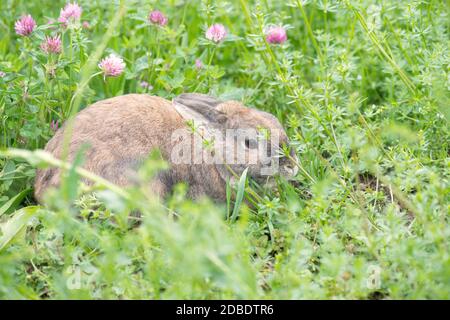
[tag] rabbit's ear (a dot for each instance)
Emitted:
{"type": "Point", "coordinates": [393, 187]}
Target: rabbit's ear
{"type": "Point", "coordinates": [199, 107]}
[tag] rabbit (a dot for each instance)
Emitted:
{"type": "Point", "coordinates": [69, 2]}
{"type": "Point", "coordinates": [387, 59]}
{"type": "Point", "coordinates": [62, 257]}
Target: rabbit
{"type": "Point", "coordinates": [121, 132]}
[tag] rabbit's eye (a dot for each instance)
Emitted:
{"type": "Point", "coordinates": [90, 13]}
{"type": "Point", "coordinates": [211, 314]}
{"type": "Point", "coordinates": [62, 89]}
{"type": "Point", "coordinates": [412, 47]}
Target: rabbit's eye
{"type": "Point", "coordinates": [251, 143]}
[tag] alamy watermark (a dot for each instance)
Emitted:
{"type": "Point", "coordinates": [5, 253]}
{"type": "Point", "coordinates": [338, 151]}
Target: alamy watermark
{"type": "Point", "coordinates": [373, 280]}
{"type": "Point", "coordinates": [232, 147]}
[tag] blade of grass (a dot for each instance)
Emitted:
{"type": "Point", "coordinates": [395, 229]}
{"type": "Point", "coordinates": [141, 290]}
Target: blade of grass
{"type": "Point", "coordinates": [310, 32]}
{"type": "Point", "coordinates": [239, 195]}
{"type": "Point", "coordinates": [228, 193]}
{"type": "Point", "coordinates": [14, 225]}
{"type": "Point", "coordinates": [13, 202]}
{"type": "Point", "coordinates": [40, 156]}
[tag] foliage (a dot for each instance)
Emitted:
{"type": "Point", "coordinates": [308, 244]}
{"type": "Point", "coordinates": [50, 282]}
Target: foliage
{"type": "Point", "coordinates": [362, 88]}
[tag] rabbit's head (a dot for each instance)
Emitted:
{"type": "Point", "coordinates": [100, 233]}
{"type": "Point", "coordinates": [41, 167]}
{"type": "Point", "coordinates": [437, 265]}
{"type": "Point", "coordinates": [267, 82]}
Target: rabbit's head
{"type": "Point", "coordinates": [239, 137]}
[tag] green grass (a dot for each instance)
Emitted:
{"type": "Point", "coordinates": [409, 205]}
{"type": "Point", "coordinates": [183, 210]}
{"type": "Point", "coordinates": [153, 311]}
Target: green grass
{"type": "Point", "coordinates": [362, 88]}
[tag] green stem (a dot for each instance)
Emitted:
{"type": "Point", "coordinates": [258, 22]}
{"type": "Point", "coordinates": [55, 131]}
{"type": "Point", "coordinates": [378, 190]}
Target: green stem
{"type": "Point", "coordinates": [310, 32]}
{"type": "Point", "coordinates": [106, 88]}
{"type": "Point", "coordinates": [377, 43]}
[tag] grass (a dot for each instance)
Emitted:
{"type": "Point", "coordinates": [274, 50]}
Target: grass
{"type": "Point", "coordinates": [362, 88]}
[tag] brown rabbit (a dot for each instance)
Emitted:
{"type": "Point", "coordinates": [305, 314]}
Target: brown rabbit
{"type": "Point", "coordinates": [121, 132]}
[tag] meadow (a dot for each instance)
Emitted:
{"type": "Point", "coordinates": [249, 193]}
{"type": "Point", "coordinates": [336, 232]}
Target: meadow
{"type": "Point", "coordinates": [361, 87]}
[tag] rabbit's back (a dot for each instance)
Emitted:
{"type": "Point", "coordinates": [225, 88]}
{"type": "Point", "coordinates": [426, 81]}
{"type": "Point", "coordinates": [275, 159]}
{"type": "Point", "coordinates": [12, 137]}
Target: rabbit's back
{"type": "Point", "coordinates": [118, 134]}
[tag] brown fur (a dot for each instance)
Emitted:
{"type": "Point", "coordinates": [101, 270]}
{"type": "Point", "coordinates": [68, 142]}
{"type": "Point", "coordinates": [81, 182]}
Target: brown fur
{"type": "Point", "coordinates": [122, 131]}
